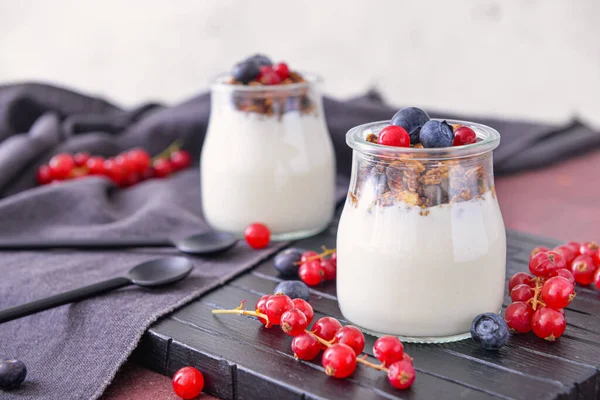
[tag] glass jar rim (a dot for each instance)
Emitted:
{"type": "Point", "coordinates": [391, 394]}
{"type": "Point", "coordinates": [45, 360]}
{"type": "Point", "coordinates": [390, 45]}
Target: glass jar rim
{"type": "Point", "coordinates": [490, 139]}
{"type": "Point", "coordinates": [220, 84]}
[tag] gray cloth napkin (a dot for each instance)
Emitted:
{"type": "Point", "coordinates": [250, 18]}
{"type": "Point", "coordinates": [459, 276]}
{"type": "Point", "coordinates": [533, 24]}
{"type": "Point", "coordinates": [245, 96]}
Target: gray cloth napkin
{"type": "Point", "coordinates": [74, 351]}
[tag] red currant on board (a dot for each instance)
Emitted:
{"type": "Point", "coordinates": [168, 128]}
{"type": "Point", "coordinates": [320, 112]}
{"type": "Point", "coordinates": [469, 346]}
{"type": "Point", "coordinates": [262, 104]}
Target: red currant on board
{"type": "Point", "coordinates": [519, 278]}
{"type": "Point", "coordinates": [393, 135]}
{"type": "Point", "coordinates": [282, 70]}
{"type": "Point", "coordinates": [329, 269]}
{"type": "Point", "coordinates": [597, 279]}
{"type": "Point", "coordinates": [95, 165]}
{"type": "Point", "coordinates": [162, 168]}
{"type": "Point", "coordinates": [326, 328]}
{"type": "Point", "coordinates": [596, 258]}
{"type": "Point", "coordinates": [257, 235]}
{"type": "Point", "coordinates": [566, 252]}
{"type": "Point", "coordinates": [80, 159]}
{"type": "Point", "coordinates": [388, 349]}
{"type": "Point", "coordinates": [545, 263]}
{"type": "Point", "coordinates": [44, 174]}
{"type": "Point", "coordinates": [558, 292]}
{"type": "Point", "coordinates": [536, 250]}
{"type": "Point", "coordinates": [188, 383]}
{"type": "Point", "coordinates": [305, 346]}
{"type": "Point", "coordinates": [588, 248]}
{"type": "Point", "coordinates": [464, 135]}
{"type": "Point", "coordinates": [308, 255]}
{"type": "Point", "coordinates": [576, 247]}
{"type": "Point", "coordinates": [583, 269]}
{"type": "Point", "coordinates": [261, 307]}
{"type": "Point", "coordinates": [522, 292]}
{"type": "Point", "coordinates": [548, 323]}
{"type": "Point", "coordinates": [401, 374]}
{"type": "Point", "coordinates": [339, 361]}
{"type": "Point", "coordinates": [61, 165]}
{"type": "Point", "coordinates": [351, 336]}
{"type": "Point", "coordinates": [293, 322]}
{"type": "Point", "coordinates": [565, 273]}
{"type": "Point", "coordinates": [518, 316]}
{"type": "Point", "coordinates": [276, 305]}
{"type": "Point", "coordinates": [305, 307]}
{"type": "Point", "coordinates": [139, 160]}
{"type": "Point", "coordinates": [311, 272]}
{"type": "Point", "coordinates": [180, 159]}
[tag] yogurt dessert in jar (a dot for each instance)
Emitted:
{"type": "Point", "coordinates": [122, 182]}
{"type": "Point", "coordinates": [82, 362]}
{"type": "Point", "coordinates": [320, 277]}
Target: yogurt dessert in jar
{"type": "Point", "coordinates": [421, 246]}
{"type": "Point", "coordinates": [267, 156]}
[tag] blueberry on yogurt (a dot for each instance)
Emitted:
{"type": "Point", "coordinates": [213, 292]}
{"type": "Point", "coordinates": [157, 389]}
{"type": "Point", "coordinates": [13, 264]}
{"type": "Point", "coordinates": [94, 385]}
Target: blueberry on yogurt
{"type": "Point", "coordinates": [489, 331]}
{"type": "Point", "coordinates": [245, 71]}
{"type": "Point", "coordinates": [436, 134]}
{"type": "Point", "coordinates": [411, 119]}
{"type": "Point", "coordinates": [259, 60]}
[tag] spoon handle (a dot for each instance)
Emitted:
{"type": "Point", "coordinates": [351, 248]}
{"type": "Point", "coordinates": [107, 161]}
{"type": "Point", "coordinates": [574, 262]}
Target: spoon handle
{"type": "Point", "coordinates": [83, 243]}
{"type": "Point", "coordinates": [63, 298]}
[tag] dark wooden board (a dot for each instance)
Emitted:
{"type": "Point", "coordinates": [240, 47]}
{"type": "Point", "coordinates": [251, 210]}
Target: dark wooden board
{"type": "Point", "coordinates": [243, 360]}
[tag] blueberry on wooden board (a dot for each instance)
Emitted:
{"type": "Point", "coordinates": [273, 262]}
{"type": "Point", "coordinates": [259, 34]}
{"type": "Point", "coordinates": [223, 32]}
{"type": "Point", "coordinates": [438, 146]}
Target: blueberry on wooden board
{"type": "Point", "coordinates": [489, 331]}
{"type": "Point", "coordinates": [293, 289]}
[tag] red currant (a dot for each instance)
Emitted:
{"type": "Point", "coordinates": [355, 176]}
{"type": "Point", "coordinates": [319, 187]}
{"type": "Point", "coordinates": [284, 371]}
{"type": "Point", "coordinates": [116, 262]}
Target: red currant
{"type": "Point", "coordinates": [276, 305]}
{"type": "Point", "coordinates": [401, 374]}
{"type": "Point", "coordinates": [293, 322]}
{"type": "Point", "coordinates": [519, 278]}
{"type": "Point", "coordinates": [558, 292]}
{"type": "Point", "coordinates": [329, 269]}
{"type": "Point", "coordinates": [548, 323]}
{"type": "Point", "coordinates": [180, 159]}
{"type": "Point", "coordinates": [464, 135]}
{"type": "Point", "coordinates": [308, 255]}
{"type": "Point", "coordinates": [351, 336]}
{"type": "Point", "coordinates": [565, 273]}
{"type": "Point", "coordinates": [306, 346]}
{"type": "Point", "coordinates": [311, 272]}
{"type": "Point", "coordinates": [339, 361]}
{"type": "Point", "coordinates": [257, 236]}
{"type": "Point", "coordinates": [44, 174]}
{"type": "Point", "coordinates": [261, 307]}
{"type": "Point", "coordinates": [545, 263]}
{"type": "Point", "coordinates": [162, 168]}
{"type": "Point", "coordinates": [536, 250]}
{"type": "Point", "coordinates": [393, 135]}
{"type": "Point", "coordinates": [597, 279]}
{"type": "Point", "coordinates": [61, 165]}
{"type": "Point", "coordinates": [264, 69]}
{"type": "Point", "coordinates": [188, 383]}
{"type": "Point", "coordinates": [518, 316]}
{"type": "Point", "coordinates": [566, 252]}
{"type": "Point", "coordinates": [583, 269]}
{"type": "Point", "coordinates": [596, 258]}
{"type": "Point", "coordinates": [139, 160]}
{"type": "Point", "coordinates": [326, 328]}
{"type": "Point", "coordinates": [522, 292]}
{"type": "Point", "coordinates": [270, 78]}
{"type": "Point", "coordinates": [306, 308]}
{"type": "Point", "coordinates": [333, 258]}
{"type": "Point", "coordinates": [81, 159]}
{"type": "Point", "coordinates": [588, 248]}
{"type": "Point", "coordinates": [95, 165]}
{"type": "Point", "coordinates": [388, 349]}
{"type": "Point", "coordinates": [282, 70]}
{"type": "Point", "coordinates": [116, 172]}
{"type": "Point", "coordinates": [576, 247]}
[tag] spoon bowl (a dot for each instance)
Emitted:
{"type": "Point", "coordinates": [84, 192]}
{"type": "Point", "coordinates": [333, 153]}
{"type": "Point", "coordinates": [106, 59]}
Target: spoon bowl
{"type": "Point", "coordinates": [161, 271]}
{"type": "Point", "coordinates": [206, 243]}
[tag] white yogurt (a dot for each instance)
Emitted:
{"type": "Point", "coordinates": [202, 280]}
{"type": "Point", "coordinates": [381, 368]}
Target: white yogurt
{"type": "Point", "coordinates": [257, 168]}
{"type": "Point", "coordinates": [404, 273]}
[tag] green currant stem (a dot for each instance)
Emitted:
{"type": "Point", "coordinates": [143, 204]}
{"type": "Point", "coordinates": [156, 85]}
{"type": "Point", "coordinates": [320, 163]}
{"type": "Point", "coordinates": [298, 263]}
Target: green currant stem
{"type": "Point", "coordinates": [241, 311]}
{"type": "Point", "coordinates": [535, 300]}
{"type": "Point", "coordinates": [166, 153]}
{"type": "Point", "coordinates": [324, 254]}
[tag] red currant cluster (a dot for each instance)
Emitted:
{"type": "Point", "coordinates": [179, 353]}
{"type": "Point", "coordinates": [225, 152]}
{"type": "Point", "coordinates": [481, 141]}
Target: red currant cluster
{"type": "Point", "coordinates": [342, 344]}
{"type": "Point", "coordinates": [126, 169]}
{"type": "Point", "coordinates": [316, 267]}
{"type": "Point", "coordinates": [538, 302]}
{"type": "Point", "coordinates": [273, 74]}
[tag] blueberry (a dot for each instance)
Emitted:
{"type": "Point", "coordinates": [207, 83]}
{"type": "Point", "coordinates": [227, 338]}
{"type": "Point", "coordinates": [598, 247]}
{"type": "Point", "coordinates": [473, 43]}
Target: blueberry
{"type": "Point", "coordinates": [260, 60]}
{"type": "Point", "coordinates": [293, 289]}
{"type": "Point", "coordinates": [245, 71]}
{"type": "Point", "coordinates": [12, 374]}
{"type": "Point", "coordinates": [285, 262]}
{"type": "Point", "coordinates": [489, 331]}
{"type": "Point", "coordinates": [436, 134]}
{"type": "Point", "coordinates": [411, 119]}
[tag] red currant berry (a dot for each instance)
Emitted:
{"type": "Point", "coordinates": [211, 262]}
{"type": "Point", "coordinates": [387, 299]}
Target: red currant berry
{"type": "Point", "coordinates": [393, 135]}
{"type": "Point", "coordinates": [596, 258]}
{"type": "Point", "coordinates": [339, 361]}
{"type": "Point", "coordinates": [81, 159]}
{"type": "Point", "coordinates": [270, 78]}
{"type": "Point", "coordinates": [261, 307]}
{"type": "Point", "coordinates": [522, 292]}
{"type": "Point", "coordinates": [329, 269]}
{"type": "Point", "coordinates": [188, 383]}
{"type": "Point", "coordinates": [44, 175]}
{"type": "Point", "coordinates": [583, 269]}
{"type": "Point", "coordinates": [293, 322]}
{"type": "Point", "coordinates": [95, 165]}
{"type": "Point", "coordinates": [61, 165]}
{"type": "Point", "coordinates": [566, 252]}
{"type": "Point", "coordinates": [162, 168]}
{"type": "Point", "coordinates": [536, 250]}
{"type": "Point", "coordinates": [282, 70]}
{"type": "Point", "coordinates": [116, 172]}
{"type": "Point", "coordinates": [548, 323]}
{"type": "Point", "coordinates": [180, 159]}
{"type": "Point", "coordinates": [597, 279]}
{"type": "Point", "coordinates": [388, 349]}
{"type": "Point", "coordinates": [276, 305]}
{"type": "Point", "coordinates": [333, 258]}
{"type": "Point", "coordinates": [306, 308]}
{"type": "Point", "coordinates": [545, 263]}
{"type": "Point", "coordinates": [78, 172]}
{"type": "Point", "coordinates": [464, 135]}
{"type": "Point", "coordinates": [576, 247]}
{"type": "Point", "coordinates": [565, 273]}
{"type": "Point", "coordinates": [257, 236]}
{"type": "Point", "coordinates": [518, 316]}
{"type": "Point", "coordinates": [139, 160]}
{"type": "Point", "coordinates": [264, 69]}
{"type": "Point", "coordinates": [130, 179]}
{"type": "Point", "coordinates": [308, 255]}
{"type": "Point", "coordinates": [519, 278]}
{"type": "Point", "coordinates": [401, 374]}
{"type": "Point", "coordinates": [558, 292]}
{"type": "Point", "coordinates": [588, 248]}
{"type": "Point", "coordinates": [311, 273]}
{"type": "Point", "coordinates": [326, 328]}
{"type": "Point", "coordinates": [351, 336]}
{"type": "Point", "coordinates": [306, 346]}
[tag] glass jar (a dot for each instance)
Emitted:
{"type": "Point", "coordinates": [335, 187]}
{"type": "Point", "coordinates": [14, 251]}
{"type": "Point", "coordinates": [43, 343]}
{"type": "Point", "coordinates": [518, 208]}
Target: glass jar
{"type": "Point", "coordinates": [268, 158]}
{"type": "Point", "coordinates": [421, 243]}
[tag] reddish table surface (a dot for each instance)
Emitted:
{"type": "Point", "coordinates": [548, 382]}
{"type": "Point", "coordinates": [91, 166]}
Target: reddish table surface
{"type": "Point", "coordinates": [562, 202]}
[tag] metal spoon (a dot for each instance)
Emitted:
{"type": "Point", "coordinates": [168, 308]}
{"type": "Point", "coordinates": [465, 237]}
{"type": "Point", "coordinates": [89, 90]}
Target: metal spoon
{"type": "Point", "coordinates": [204, 243]}
{"type": "Point", "coordinates": [148, 274]}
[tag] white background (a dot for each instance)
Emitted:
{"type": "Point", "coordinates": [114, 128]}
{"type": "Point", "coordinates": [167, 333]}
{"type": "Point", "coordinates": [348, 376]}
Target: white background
{"type": "Point", "coordinates": [536, 59]}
